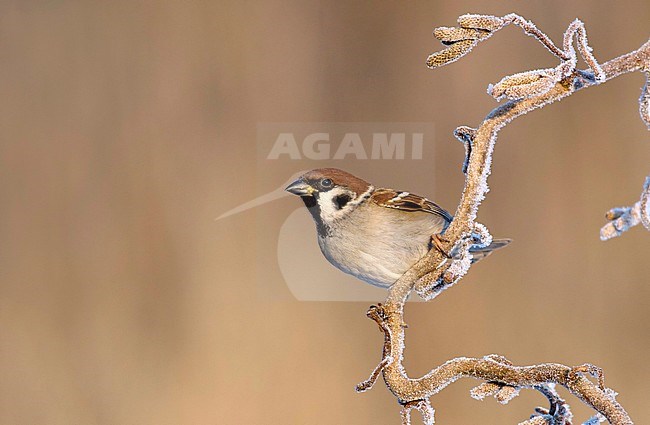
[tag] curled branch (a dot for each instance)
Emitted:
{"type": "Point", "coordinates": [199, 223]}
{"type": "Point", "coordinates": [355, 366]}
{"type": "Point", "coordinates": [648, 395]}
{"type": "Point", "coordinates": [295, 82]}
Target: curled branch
{"type": "Point", "coordinates": [441, 268]}
{"type": "Point", "coordinates": [466, 136]}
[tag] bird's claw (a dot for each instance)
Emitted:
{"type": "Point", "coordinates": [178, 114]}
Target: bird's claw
{"type": "Point", "coordinates": [439, 243]}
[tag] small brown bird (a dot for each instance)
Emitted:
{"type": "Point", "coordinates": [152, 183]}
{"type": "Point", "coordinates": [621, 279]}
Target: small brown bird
{"type": "Point", "coordinates": [373, 234]}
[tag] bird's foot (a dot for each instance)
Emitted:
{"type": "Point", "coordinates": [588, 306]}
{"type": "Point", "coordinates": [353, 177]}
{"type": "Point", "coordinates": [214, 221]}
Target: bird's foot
{"type": "Point", "coordinates": [438, 242]}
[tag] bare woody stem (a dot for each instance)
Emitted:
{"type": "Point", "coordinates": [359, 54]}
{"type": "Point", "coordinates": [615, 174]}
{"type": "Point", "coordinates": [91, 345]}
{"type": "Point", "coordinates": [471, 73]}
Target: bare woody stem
{"type": "Point", "coordinates": [410, 392]}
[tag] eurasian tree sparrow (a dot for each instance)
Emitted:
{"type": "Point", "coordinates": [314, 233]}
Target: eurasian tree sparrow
{"type": "Point", "coordinates": [373, 234]}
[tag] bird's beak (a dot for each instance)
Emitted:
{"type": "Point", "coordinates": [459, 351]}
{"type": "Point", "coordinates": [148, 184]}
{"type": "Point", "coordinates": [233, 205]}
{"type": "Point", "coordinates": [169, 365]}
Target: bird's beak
{"type": "Point", "coordinates": [300, 188]}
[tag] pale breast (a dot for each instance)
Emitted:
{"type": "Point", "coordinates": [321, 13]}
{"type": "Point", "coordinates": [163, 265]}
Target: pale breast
{"type": "Point", "coordinates": [379, 245]}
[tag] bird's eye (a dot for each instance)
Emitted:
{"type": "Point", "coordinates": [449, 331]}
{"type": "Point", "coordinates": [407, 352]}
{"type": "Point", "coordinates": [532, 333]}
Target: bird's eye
{"type": "Point", "coordinates": [326, 182]}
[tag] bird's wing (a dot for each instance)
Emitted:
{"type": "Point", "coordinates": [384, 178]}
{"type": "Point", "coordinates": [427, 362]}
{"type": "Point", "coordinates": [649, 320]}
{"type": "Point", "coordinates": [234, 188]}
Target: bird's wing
{"type": "Point", "coordinates": [406, 201]}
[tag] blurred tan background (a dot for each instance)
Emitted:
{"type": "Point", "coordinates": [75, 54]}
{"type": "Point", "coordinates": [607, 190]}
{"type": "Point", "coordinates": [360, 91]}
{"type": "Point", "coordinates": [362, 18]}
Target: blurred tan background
{"type": "Point", "coordinates": [128, 126]}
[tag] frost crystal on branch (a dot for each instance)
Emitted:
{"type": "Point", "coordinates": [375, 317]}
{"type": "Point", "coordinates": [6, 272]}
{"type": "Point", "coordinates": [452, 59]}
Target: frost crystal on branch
{"type": "Point", "coordinates": [595, 420]}
{"type": "Point", "coordinates": [481, 236]}
{"type": "Point", "coordinates": [622, 219]}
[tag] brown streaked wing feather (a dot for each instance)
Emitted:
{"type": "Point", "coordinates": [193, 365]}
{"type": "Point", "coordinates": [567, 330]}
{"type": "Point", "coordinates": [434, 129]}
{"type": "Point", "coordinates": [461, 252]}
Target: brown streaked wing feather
{"type": "Point", "coordinates": [406, 201]}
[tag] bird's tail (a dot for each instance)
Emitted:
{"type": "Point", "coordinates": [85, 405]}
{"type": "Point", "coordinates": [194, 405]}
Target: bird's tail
{"type": "Point", "coordinates": [481, 253]}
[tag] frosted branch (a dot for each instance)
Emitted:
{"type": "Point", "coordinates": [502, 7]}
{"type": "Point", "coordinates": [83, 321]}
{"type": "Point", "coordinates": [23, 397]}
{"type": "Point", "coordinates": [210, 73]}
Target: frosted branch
{"type": "Point", "coordinates": [503, 378]}
{"type": "Point", "coordinates": [558, 412]}
{"type": "Point", "coordinates": [475, 28]}
{"type": "Point", "coordinates": [466, 136]}
{"type": "Point", "coordinates": [644, 101]}
{"type": "Point", "coordinates": [445, 265]}
{"type": "Point", "coordinates": [622, 219]}
{"type": "Point", "coordinates": [425, 409]}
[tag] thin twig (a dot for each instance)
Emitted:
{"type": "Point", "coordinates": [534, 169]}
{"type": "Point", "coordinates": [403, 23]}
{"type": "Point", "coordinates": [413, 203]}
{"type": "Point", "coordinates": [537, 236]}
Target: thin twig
{"type": "Point", "coordinates": [622, 219]}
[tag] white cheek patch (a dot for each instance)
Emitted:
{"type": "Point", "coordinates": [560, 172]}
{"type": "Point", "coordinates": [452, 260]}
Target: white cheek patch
{"type": "Point", "coordinates": [329, 208]}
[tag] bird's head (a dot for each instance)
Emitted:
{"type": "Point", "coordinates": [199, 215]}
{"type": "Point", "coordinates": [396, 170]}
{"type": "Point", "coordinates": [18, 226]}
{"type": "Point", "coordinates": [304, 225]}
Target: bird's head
{"type": "Point", "coordinates": [329, 193]}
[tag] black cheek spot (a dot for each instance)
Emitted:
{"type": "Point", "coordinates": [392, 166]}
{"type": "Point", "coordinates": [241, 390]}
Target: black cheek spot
{"type": "Point", "coordinates": [342, 200]}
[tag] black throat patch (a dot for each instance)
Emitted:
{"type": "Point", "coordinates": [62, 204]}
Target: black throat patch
{"type": "Point", "coordinates": [311, 202]}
